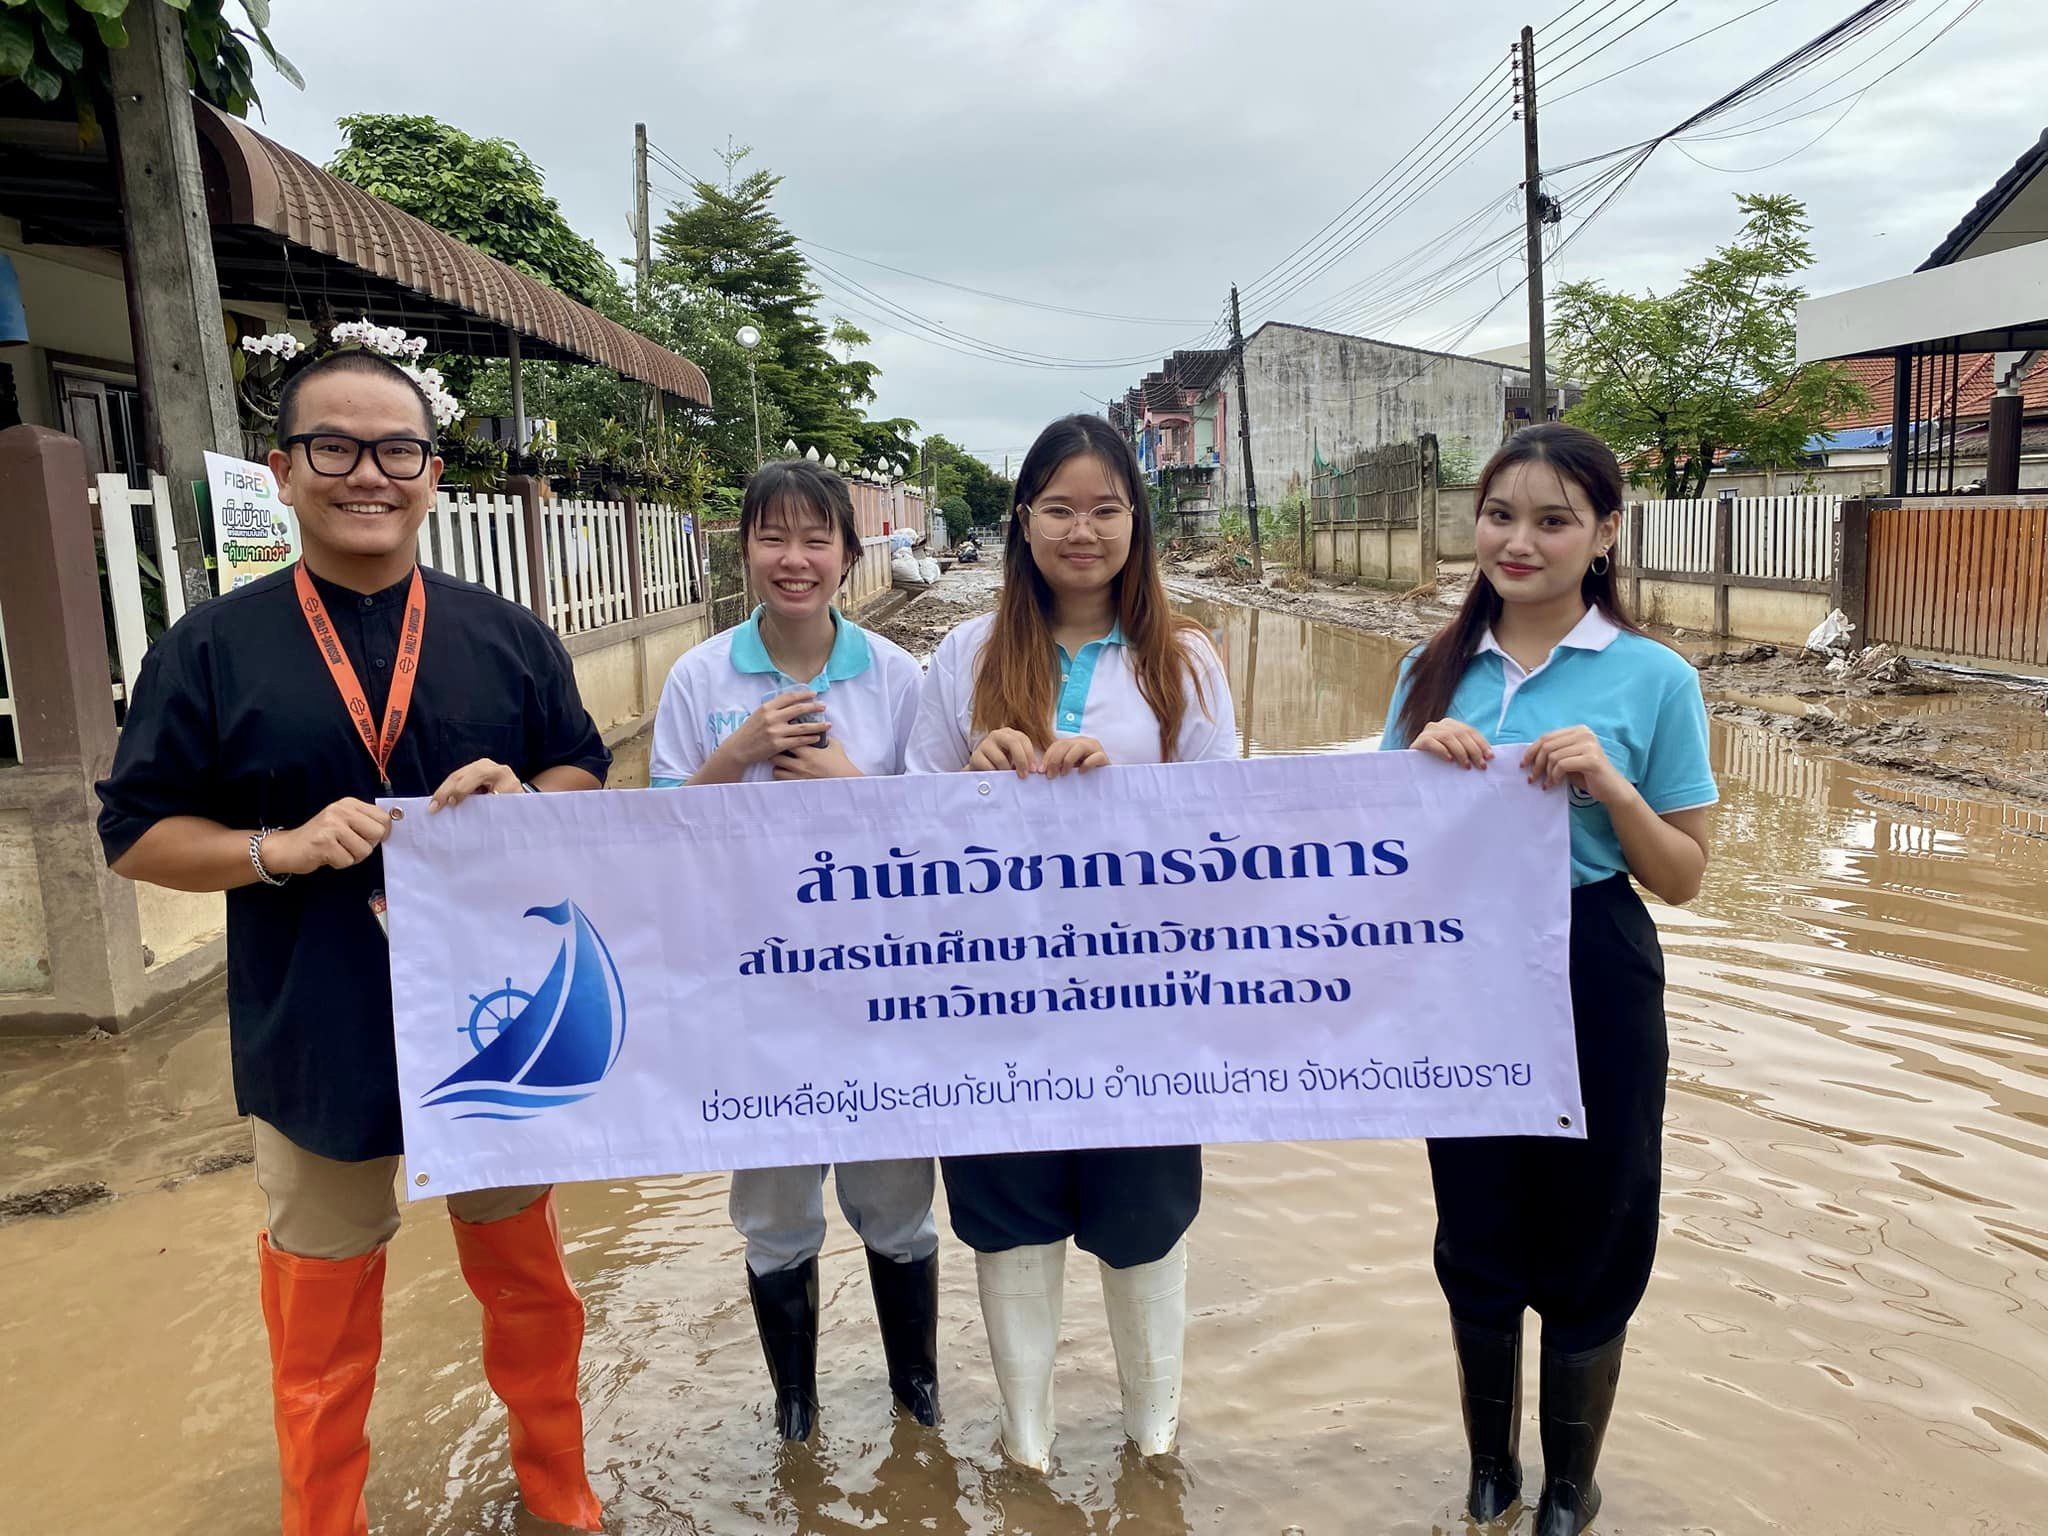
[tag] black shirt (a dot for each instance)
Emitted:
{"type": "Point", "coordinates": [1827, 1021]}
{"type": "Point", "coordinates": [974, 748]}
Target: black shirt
{"type": "Point", "coordinates": [236, 718]}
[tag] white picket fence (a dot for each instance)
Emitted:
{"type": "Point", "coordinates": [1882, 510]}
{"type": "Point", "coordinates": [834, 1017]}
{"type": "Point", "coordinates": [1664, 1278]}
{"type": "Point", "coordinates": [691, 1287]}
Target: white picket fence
{"type": "Point", "coordinates": [480, 538]}
{"type": "Point", "coordinates": [1776, 538]}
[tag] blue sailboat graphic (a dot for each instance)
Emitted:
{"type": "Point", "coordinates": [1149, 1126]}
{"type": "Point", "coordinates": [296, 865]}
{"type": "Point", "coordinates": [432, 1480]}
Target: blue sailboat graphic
{"type": "Point", "coordinates": [552, 1046]}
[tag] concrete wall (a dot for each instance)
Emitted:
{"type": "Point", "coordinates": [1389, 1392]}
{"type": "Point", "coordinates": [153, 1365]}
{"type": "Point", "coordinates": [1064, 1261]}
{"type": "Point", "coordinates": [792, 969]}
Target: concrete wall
{"type": "Point", "coordinates": [1350, 552]}
{"type": "Point", "coordinates": [1757, 614]}
{"type": "Point", "coordinates": [620, 669]}
{"type": "Point", "coordinates": [1455, 517]}
{"type": "Point", "coordinates": [1310, 390]}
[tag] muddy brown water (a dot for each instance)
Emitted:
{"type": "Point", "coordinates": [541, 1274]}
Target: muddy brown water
{"type": "Point", "coordinates": [1847, 1331]}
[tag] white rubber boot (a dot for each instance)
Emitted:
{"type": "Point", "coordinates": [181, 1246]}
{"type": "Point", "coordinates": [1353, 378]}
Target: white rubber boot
{"type": "Point", "coordinates": [1021, 1294]}
{"type": "Point", "coordinates": [1148, 1324]}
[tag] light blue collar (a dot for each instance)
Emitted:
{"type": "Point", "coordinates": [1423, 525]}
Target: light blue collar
{"type": "Point", "coordinates": [1114, 637]}
{"type": "Point", "coordinates": [850, 654]}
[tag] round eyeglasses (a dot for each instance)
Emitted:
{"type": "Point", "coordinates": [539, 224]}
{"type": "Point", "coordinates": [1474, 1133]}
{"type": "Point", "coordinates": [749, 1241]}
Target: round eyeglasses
{"type": "Point", "coordinates": [1058, 522]}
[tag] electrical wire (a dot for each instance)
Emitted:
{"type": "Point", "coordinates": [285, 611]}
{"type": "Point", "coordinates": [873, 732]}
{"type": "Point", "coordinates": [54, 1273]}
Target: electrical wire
{"type": "Point", "coordinates": [1003, 298]}
{"type": "Point", "coordinates": [1584, 59]}
{"type": "Point", "coordinates": [1552, 102]}
{"type": "Point", "coordinates": [1456, 119]}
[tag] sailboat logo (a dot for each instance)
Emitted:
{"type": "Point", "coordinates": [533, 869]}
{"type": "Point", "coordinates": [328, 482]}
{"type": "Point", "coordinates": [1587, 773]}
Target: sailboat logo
{"type": "Point", "coordinates": [551, 1046]}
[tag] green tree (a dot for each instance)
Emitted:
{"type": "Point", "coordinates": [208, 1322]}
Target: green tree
{"type": "Point", "coordinates": [959, 518]}
{"type": "Point", "coordinates": [56, 50]}
{"type": "Point", "coordinates": [484, 192]}
{"type": "Point", "coordinates": [1672, 381]}
{"type": "Point", "coordinates": [959, 473]}
{"type": "Point", "coordinates": [731, 243]}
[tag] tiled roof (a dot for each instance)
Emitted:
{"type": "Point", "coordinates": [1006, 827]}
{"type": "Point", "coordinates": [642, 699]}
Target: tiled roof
{"type": "Point", "coordinates": [1974, 389]}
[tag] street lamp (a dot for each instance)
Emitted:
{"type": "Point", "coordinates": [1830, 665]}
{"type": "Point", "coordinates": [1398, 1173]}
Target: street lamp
{"type": "Point", "coordinates": [749, 337]}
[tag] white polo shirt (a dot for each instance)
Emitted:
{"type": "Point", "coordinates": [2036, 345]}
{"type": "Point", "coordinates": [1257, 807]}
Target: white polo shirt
{"type": "Point", "coordinates": [1098, 697]}
{"type": "Point", "coordinates": [868, 691]}
{"type": "Point", "coordinates": [1637, 695]}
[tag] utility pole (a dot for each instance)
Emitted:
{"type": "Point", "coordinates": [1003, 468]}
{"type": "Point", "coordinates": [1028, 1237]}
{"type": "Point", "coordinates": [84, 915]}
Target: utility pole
{"type": "Point", "coordinates": [1534, 207]}
{"type": "Point", "coordinates": [1244, 437]}
{"type": "Point", "coordinates": [643, 239]}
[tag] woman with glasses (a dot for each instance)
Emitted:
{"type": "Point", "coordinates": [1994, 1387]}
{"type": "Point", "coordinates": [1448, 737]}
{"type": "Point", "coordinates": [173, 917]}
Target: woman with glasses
{"type": "Point", "coordinates": [1081, 665]}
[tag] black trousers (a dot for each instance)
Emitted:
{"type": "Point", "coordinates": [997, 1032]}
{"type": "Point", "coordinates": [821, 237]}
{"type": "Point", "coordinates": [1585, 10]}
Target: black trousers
{"type": "Point", "coordinates": [1126, 1205]}
{"type": "Point", "coordinates": [1569, 1228]}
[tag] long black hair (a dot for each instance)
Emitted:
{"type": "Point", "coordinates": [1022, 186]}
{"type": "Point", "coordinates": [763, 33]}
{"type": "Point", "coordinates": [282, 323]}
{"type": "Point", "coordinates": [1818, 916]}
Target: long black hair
{"type": "Point", "coordinates": [1014, 685]}
{"type": "Point", "coordinates": [1577, 456]}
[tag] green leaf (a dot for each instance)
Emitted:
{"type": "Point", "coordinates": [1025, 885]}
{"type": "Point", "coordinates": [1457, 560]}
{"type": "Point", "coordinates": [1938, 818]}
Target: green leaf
{"type": "Point", "coordinates": [66, 50]}
{"type": "Point", "coordinates": [113, 31]}
{"type": "Point", "coordinates": [278, 61]}
{"type": "Point", "coordinates": [47, 85]}
{"type": "Point", "coordinates": [56, 13]}
{"type": "Point", "coordinates": [17, 48]}
{"type": "Point", "coordinates": [111, 10]}
{"type": "Point", "coordinates": [179, 5]}
{"type": "Point", "coordinates": [259, 11]}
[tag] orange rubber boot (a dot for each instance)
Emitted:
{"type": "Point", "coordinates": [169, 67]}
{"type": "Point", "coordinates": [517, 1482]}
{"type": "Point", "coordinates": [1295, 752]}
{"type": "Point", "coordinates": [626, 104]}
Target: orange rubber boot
{"type": "Point", "coordinates": [326, 1324]}
{"type": "Point", "coordinates": [533, 1335]}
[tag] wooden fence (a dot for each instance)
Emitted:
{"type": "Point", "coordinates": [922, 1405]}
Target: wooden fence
{"type": "Point", "coordinates": [1962, 579]}
{"type": "Point", "coordinates": [1375, 519]}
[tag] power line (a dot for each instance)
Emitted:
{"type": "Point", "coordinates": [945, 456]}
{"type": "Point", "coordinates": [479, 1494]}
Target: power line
{"type": "Point", "coordinates": [1779, 116]}
{"type": "Point", "coordinates": [1555, 101]}
{"type": "Point", "coordinates": [1306, 249]}
{"type": "Point", "coordinates": [1585, 59]}
{"type": "Point", "coordinates": [1003, 298]}
{"type": "Point", "coordinates": [1414, 185]}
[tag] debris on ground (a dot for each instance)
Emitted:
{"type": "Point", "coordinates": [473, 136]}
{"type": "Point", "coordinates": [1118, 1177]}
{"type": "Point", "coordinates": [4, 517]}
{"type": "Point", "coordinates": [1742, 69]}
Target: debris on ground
{"type": "Point", "coordinates": [54, 1200]}
{"type": "Point", "coordinates": [221, 1162]}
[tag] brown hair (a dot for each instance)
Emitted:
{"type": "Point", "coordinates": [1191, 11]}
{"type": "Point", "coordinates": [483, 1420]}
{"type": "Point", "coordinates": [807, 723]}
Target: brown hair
{"type": "Point", "coordinates": [1576, 455]}
{"type": "Point", "coordinates": [1014, 685]}
{"type": "Point", "coordinates": [792, 484]}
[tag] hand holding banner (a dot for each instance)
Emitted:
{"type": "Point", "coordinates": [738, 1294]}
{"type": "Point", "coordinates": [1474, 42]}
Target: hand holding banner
{"type": "Point", "coordinates": [636, 982]}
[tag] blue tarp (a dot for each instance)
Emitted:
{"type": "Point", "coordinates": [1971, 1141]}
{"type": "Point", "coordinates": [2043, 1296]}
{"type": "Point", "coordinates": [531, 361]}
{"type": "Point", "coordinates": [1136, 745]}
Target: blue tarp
{"type": "Point", "coordinates": [1849, 438]}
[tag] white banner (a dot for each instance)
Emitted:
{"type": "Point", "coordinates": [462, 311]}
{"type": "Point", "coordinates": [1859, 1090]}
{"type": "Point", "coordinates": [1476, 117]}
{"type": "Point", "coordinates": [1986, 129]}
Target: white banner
{"type": "Point", "coordinates": [254, 532]}
{"type": "Point", "coordinates": [644, 982]}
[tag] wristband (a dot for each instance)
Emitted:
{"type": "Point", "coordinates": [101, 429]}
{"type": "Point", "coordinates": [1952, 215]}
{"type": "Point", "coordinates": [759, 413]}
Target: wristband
{"type": "Point", "coordinates": [256, 857]}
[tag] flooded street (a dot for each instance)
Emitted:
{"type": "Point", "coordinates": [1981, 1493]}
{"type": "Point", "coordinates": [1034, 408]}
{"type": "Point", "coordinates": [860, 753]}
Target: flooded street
{"type": "Point", "coordinates": [1847, 1331]}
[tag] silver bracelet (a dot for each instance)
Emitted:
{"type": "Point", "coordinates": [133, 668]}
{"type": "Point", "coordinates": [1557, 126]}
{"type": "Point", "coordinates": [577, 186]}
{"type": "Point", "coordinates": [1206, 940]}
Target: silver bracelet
{"type": "Point", "coordinates": [256, 857]}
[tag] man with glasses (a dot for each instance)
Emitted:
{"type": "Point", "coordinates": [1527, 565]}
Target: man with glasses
{"type": "Point", "coordinates": [261, 731]}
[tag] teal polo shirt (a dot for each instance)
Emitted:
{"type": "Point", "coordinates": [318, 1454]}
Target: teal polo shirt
{"type": "Point", "coordinates": [1638, 696]}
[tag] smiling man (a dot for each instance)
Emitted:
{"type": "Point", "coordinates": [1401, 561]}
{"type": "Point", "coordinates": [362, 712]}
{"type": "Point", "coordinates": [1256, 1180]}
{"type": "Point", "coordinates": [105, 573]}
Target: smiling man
{"type": "Point", "coordinates": [262, 729]}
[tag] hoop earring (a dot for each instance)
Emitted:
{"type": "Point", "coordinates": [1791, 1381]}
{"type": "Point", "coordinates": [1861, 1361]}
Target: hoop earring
{"type": "Point", "coordinates": [1601, 565]}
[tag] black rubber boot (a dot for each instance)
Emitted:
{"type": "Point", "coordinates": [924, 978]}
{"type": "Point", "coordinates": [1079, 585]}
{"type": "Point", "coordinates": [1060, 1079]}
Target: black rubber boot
{"type": "Point", "coordinates": [1577, 1398]}
{"type": "Point", "coordinates": [1490, 1384]}
{"type": "Point", "coordinates": [907, 1305]}
{"type": "Point", "coordinates": [786, 1313]}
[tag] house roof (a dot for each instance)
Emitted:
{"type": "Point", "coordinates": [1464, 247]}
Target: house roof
{"type": "Point", "coordinates": [1975, 386]}
{"type": "Point", "coordinates": [256, 184]}
{"type": "Point", "coordinates": [1197, 370]}
{"type": "Point", "coordinates": [2013, 212]}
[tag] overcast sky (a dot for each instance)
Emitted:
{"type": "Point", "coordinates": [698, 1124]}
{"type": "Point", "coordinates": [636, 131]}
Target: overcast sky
{"type": "Point", "coordinates": [1134, 160]}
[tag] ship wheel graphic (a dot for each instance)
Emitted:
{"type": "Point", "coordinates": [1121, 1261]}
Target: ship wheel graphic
{"type": "Point", "coordinates": [493, 1011]}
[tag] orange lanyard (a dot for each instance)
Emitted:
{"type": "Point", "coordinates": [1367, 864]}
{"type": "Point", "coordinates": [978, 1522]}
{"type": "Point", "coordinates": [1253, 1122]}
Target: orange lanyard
{"type": "Point", "coordinates": [377, 744]}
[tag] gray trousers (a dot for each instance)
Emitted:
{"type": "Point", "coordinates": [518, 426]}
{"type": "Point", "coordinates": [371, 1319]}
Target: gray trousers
{"type": "Point", "coordinates": [781, 1211]}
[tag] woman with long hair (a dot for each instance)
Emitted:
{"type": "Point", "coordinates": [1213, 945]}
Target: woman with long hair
{"type": "Point", "coordinates": [1543, 671]}
{"type": "Point", "coordinates": [800, 691]}
{"type": "Point", "coordinates": [1082, 665]}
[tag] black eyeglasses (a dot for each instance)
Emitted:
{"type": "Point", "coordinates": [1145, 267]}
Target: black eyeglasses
{"type": "Point", "coordinates": [336, 454]}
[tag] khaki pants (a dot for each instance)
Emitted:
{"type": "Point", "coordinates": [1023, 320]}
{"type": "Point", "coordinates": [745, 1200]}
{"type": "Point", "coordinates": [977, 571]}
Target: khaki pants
{"type": "Point", "coordinates": [322, 1209]}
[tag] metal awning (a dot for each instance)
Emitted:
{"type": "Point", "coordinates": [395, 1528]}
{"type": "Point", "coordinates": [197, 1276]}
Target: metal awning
{"type": "Point", "coordinates": [1996, 302]}
{"type": "Point", "coordinates": [272, 210]}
